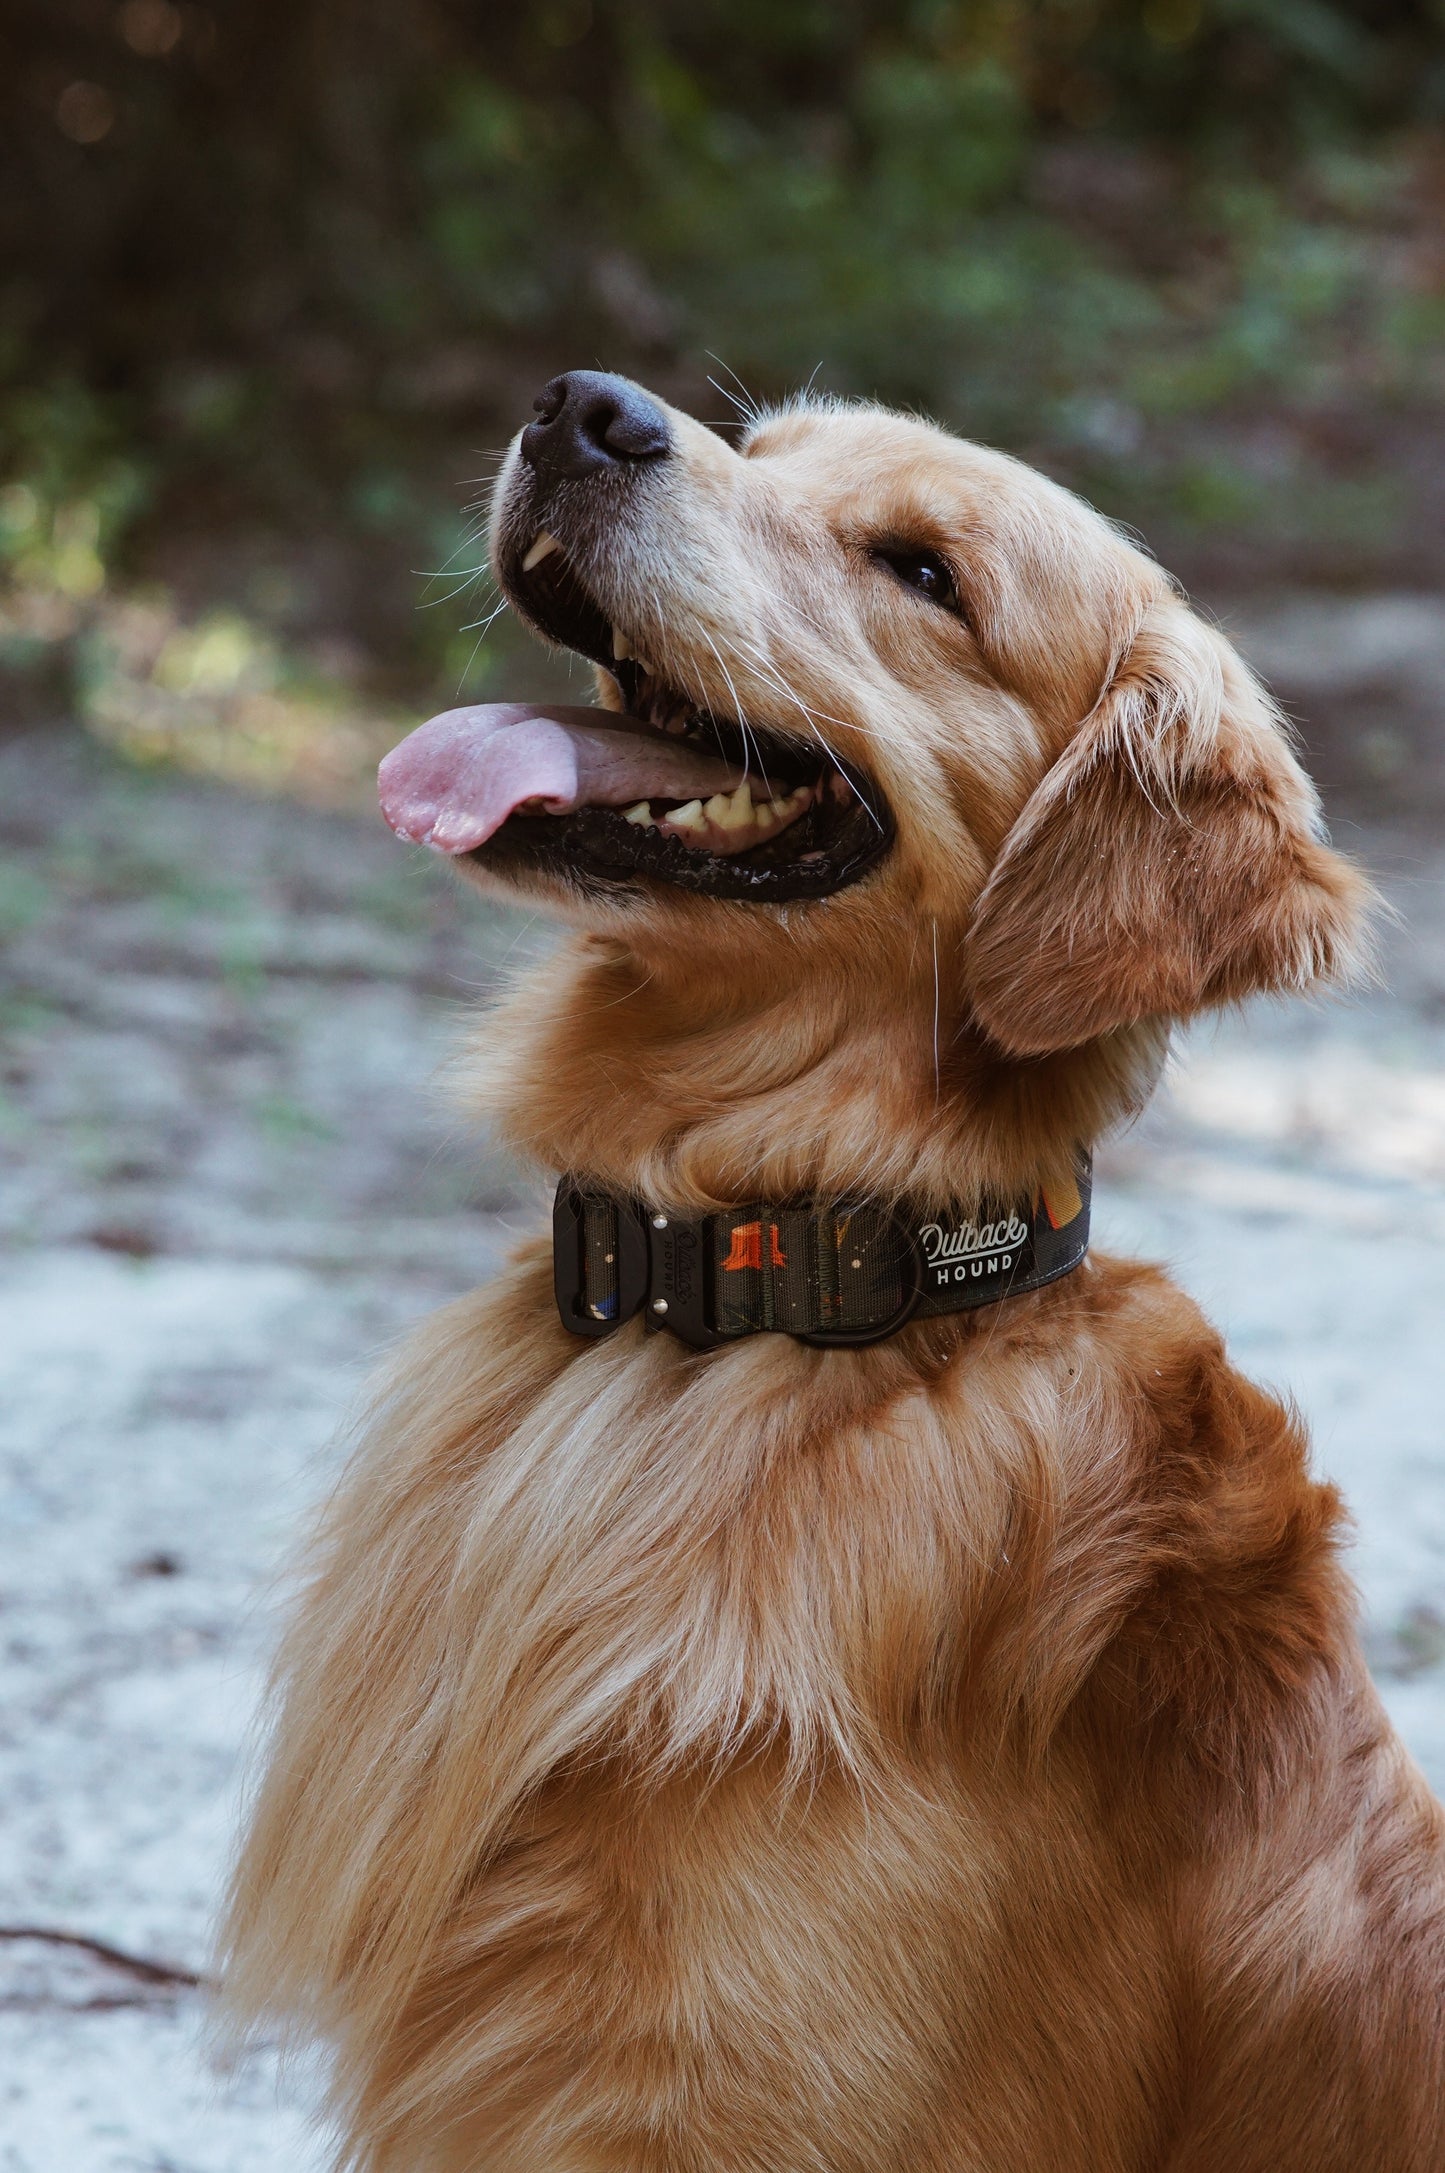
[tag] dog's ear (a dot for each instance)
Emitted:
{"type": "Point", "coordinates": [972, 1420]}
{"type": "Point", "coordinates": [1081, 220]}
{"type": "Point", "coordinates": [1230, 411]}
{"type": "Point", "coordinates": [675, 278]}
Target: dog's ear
{"type": "Point", "coordinates": [1171, 859]}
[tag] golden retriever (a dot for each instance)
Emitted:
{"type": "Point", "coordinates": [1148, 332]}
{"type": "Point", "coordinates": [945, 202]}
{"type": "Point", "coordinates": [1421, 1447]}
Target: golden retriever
{"type": "Point", "coordinates": [950, 1753]}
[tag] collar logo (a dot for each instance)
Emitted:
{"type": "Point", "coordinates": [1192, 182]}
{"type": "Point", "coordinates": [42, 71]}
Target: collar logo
{"type": "Point", "coordinates": [942, 1248]}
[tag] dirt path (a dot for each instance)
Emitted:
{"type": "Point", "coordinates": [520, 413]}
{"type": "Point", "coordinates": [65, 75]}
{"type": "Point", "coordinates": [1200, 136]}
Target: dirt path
{"type": "Point", "coordinates": [225, 1185]}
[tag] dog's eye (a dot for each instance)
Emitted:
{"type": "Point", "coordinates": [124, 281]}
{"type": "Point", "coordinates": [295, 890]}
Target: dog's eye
{"type": "Point", "coordinates": [924, 571]}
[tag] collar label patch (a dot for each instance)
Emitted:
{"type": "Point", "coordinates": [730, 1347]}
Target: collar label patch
{"type": "Point", "coordinates": [974, 1251]}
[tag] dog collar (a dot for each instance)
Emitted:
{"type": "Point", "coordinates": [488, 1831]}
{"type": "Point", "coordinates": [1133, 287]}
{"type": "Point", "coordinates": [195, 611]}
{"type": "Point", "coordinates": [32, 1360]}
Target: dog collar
{"type": "Point", "coordinates": [828, 1273]}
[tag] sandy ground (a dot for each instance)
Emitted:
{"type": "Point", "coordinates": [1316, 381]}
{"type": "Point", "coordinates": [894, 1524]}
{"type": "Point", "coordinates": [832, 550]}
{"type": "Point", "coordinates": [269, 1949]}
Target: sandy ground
{"type": "Point", "coordinates": [226, 1186]}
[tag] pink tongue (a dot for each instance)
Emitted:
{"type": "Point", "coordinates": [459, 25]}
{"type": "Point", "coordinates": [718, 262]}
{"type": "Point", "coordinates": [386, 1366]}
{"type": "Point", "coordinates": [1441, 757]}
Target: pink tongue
{"type": "Point", "coordinates": [455, 780]}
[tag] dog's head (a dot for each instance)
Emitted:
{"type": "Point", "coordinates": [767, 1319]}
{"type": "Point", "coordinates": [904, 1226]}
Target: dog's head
{"type": "Point", "coordinates": [860, 678]}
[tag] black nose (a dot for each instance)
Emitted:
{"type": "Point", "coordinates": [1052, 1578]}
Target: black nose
{"type": "Point", "coordinates": [588, 421]}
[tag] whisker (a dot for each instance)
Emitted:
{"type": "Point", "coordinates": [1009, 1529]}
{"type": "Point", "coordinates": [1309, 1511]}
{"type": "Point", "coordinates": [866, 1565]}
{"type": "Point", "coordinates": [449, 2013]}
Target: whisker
{"type": "Point", "coordinates": [471, 537]}
{"type": "Point", "coordinates": [490, 620]}
{"type": "Point", "coordinates": [767, 670]}
{"type": "Point", "coordinates": [461, 582]}
{"type": "Point", "coordinates": [765, 666]}
{"type": "Point", "coordinates": [486, 626]}
{"type": "Point", "coordinates": [937, 1079]}
{"type": "Point", "coordinates": [762, 662]}
{"type": "Point", "coordinates": [842, 772]}
{"type": "Point", "coordinates": [747, 405]}
{"type": "Point", "coordinates": [448, 572]}
{"type": "Point", "coordinates": [732, 396]}
{"type": "Point", "coordinates": [749, 744]}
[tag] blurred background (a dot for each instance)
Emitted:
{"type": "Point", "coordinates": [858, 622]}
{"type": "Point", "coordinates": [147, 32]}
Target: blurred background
{"type": "Point", "coordinates": [276, 285]}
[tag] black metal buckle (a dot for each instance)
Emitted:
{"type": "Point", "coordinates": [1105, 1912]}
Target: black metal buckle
{"type": "Point", "coordinates": [569, 1269]}
{"type": "Point", "coordinates": [681, 1281]}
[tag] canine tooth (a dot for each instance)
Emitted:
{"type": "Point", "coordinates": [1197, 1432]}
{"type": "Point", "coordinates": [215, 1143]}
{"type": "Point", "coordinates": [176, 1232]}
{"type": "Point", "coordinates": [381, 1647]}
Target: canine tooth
{"type": "Point", "coordinates": [691, 817]}
{"type": "Point", "coordinates": [717, 807]}
{"type": "Point", "coordinates": [641, 814]}
{"type": "Point", "coordinates": [621, 646]}
{"type": "Point", "coordinates": [544, 546]}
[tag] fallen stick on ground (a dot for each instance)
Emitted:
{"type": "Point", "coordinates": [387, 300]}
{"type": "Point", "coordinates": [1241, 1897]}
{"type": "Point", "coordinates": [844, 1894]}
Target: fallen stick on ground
{"type": "Point", "coordinates": [138, 1965]}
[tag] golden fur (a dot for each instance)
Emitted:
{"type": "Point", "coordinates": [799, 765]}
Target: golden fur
{"type": "Point", "coordinates": [953, 1756]}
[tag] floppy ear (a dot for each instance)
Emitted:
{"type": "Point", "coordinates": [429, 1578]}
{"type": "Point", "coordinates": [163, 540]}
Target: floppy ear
{"type": "Point", "coordinates": [1171, 859]}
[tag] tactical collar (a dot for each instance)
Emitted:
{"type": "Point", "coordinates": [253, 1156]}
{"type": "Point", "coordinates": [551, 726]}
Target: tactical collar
{"type": "Point", "coordinates": [826, 1272]}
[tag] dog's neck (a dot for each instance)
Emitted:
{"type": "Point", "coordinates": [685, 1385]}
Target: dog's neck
{"type": "Point", "coordinates": [695, 1090]}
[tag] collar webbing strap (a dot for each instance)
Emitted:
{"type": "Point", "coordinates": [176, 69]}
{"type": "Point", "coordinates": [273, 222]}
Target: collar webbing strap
{"type": "Point", "coordinates": [828, 1273]}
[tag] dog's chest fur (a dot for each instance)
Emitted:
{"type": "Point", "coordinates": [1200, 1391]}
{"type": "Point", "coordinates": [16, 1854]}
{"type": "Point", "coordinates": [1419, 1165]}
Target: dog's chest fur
{"type": "Point", "coordinates": [721, 1972]}
{"type": "Point", "coordinates": [692, 1749]}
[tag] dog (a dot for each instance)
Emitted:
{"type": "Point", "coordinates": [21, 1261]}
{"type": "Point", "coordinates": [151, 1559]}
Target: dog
{"type": "Point", "coordinates": [811, 1671]}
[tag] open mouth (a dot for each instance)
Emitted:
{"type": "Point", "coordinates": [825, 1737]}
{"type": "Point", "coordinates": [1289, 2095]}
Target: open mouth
{"type": "Point", "coordinates": [664, 792]}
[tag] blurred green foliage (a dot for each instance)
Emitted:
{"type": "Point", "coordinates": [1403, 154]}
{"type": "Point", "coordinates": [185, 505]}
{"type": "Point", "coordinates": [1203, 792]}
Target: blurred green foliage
{"type": "Point", "coordinates": [281, 269]}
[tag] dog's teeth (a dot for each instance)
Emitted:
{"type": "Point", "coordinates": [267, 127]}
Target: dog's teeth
{"type": "Point", "coordinates": [643, 666]}
{"type": "Point", "coordinates": [641, 814]}
{"type": "Point", "coordinates": [766, 815]}
{"type": "Point", "coordinates": [544, 546]}
{"type": "Point", "coordinates": [731, 810]}
{"type": "Point", "coordinates": [621, 646]}
{"type": "Point", "coordinates": [691, 817]}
